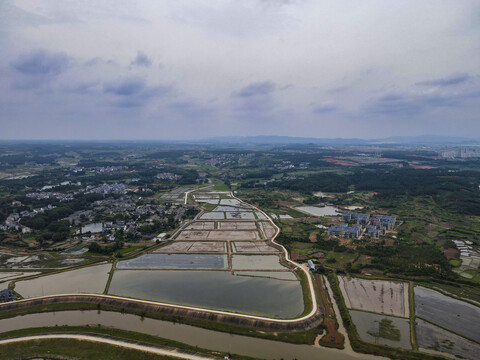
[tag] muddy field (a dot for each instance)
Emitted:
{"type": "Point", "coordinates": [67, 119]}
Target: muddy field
{"type": "Point", "coordinates": [267, 229]}
{"type": "Point", "coordinates": [176, 261]}
{"type": "Point", "coordinates": [86, 280]}
{"type": "Point", "coordinates": [40, 261]}
{"type": "Point", "coordinates": [208, 201]}
{"type": "Point", "coordinates": [193, 246]}
{"type": "Point", "coordinates": [458, 316]}
{"type": "Point", "coordinates": [233, 202]}
{"type": "Point", "coordinates": [201, 225]}
{"type": "Point", "coordinates": [237, 225]}
{"type": "Point", "coordinates": [8, 276]}
{"type": "Point", "coordinates": [381, 329]}
{"type": "Point", "coordinates": [256, 262]}
{"type": "Point", "coordinates": [231, 208]}
{"type": "Point", "coordinates": [432, 337]}
{"type": "Point", "coordinates": [240, 215]}
{"type": "Point", "coordinates": [213, 216]}
{"type": "Point", "coordinates": [378, 296]}
{"type": "Point", "coordinates": [253, 247]}
{"type": "Point", "coordinates": [260, 216]}
{"type": "Point", "coordinates": [218, 235]}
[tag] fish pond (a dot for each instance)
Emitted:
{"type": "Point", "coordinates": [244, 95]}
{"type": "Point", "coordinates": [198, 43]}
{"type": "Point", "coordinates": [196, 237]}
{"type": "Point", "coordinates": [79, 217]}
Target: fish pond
{"type": "Point", "coordinates": [176, 261]}
{"type": "Point", "coordinates": [219, 290]}
{"type": "Point", "coordinates": [92, 279]}
{"type": "Point", "coordinates": [452, 314]}
{"type": "Point", "coordinates": [257, 262]}
{"type": "Point", "coordinates": [381, 329]}
{"type": "Point", "coordinates": [435, 338]}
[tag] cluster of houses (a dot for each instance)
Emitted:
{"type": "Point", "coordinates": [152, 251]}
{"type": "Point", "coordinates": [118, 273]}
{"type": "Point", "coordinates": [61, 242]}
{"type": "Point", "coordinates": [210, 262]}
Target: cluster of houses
{"type": "Point", "coordinates": [375, 225]}
{"type": "Point", "coordinates": [12, 222]}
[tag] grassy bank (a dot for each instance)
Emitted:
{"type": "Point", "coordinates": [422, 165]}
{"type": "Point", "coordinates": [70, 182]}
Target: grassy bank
{"type": "Point", "coordinates": [300, 337]}
{"type": "Point", "coordinates": [85, 350]}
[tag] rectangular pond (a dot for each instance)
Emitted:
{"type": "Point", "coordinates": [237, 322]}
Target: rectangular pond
{"type": "Point", "coordinates": [432, 337]}
{"type": "Point", "coordinates": [176, 261]}
{"type": "Point", "coordinates": [92, 279]}
{"type": "Point", "coordinates": [320, 211]}
{"type": "Point", "coordinates": [452, 314]}
{"type": "Point", "coordinates": [218, 290]}
{"type": "Point", "coordinates": [378, 296]}
{"type": "Point", "coordinates": [382, 329]}
{"type": "Point", "coordinates": [257, 262]}
{"type": "Point", "coordinates": [213, 216]}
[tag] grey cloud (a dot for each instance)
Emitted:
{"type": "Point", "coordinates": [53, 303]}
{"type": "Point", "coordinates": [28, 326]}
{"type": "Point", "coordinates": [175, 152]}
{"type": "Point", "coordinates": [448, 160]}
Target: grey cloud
{"type": "Point", "coordinates": [125, 87]}
{"type": "Point", "coordinates": [411, 104]}
{"type": "Point", "coordinates": [41, 63]}
{"type": "Point", "coordinates": [190, 109]}
{"type": "Point", "coordinates": [141, 60]}
{"type": "Point", "coordinates": [323, 109]}
{"type": "Point", "coordinates": [82, 88]}
{"type": "Point", "coordinates": [448, 81]}
{"type": "Point", "coordinates": [133, 92]}
{"type": "Point", "coordinates": [255, 89]}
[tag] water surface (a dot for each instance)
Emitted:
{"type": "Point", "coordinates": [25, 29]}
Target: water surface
{"type": "Point", "coordinates": [92, 279]}
{"type": "Point", "coordinates": [175, 261]}
{"type": "Point", "coordinates": [219, 290]}
{"type": "Point", "coordinates": [203, 338]}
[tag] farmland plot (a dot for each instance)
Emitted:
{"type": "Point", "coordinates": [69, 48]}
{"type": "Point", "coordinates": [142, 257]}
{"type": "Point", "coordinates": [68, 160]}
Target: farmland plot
{"type": "Point", "coordinates": [86, 280]}
{"type": "Point", "coordinates": [458, 316]}
{"type": "Point", "coordinates": [240, 215]}
{"type": "Point", "coordinates": [253, 247]}
{"type": "Point", "coordinates": [237, 225]}
{"type": "Point", "coordinates": [208, 201]}
{"type": "Point", "coordinates": [208, 246]}
{"type": "Point", "coordinates": [268, 229]}
{"type": "Point", "coordinates": [175, 261]}
{"type": "Point", "coordinates": [381, 329]}
{"type": "Point", "coordinates": [230, 208]}
{"type": "Point", "coordinates": [234, 235]}
{"type": "Point", "coordinates": [379, 296]}
{"type": "Point", "coordinates": [213, 216]}
{"type": "Point", "coordinates": [193, 235]}
{"type": "Point", "coordinates": [260, 216]}
{"type": "Point", "coordinates": [435, 338]}
{"type": "Point", "coordinates": [256, 262]}
{"type": "Point", "coordinates": [191, 247]}
{"type": "Point", "coordinates": [176, 247]}
{"type": "Point", "coordinates": [218, 235]}
{"type": "Point", "coordinates": [8, 276]}
{"type": "Point", "coordinates": [201, 225]}
{"type": "Point", "coordinates": [231, 202]}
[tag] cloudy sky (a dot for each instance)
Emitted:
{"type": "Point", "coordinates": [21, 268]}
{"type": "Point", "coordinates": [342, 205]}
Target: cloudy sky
{"type": "Point", "coordinates": [186, 69]}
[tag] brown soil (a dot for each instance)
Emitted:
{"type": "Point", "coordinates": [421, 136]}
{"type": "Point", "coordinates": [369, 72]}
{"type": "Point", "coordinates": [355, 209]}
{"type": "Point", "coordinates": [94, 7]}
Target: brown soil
{"type": "Point", "coordinates": [332, 335]}
{"type": "Point", "coordinates": [450, 253]}
{"type": "Point", "coordinates": [372, 271]}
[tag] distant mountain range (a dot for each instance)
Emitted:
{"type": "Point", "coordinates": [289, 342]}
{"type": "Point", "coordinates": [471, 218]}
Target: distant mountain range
{"type": "Point", "coordinates": [421, 139]}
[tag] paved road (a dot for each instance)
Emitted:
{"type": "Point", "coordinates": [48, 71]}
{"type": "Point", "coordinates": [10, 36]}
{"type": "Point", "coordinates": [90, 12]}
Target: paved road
{"type": "Point", "coordinates": [165, 351]}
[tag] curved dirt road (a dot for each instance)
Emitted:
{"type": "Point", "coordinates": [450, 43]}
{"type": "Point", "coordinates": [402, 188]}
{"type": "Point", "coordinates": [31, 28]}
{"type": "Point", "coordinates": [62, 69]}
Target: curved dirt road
{"type": "Point", "coordinates": [160, 350]}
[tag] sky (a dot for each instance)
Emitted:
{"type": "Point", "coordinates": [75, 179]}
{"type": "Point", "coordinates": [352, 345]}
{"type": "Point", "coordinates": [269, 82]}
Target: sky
{"type": "Point", "coordinates": [192, 69]}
